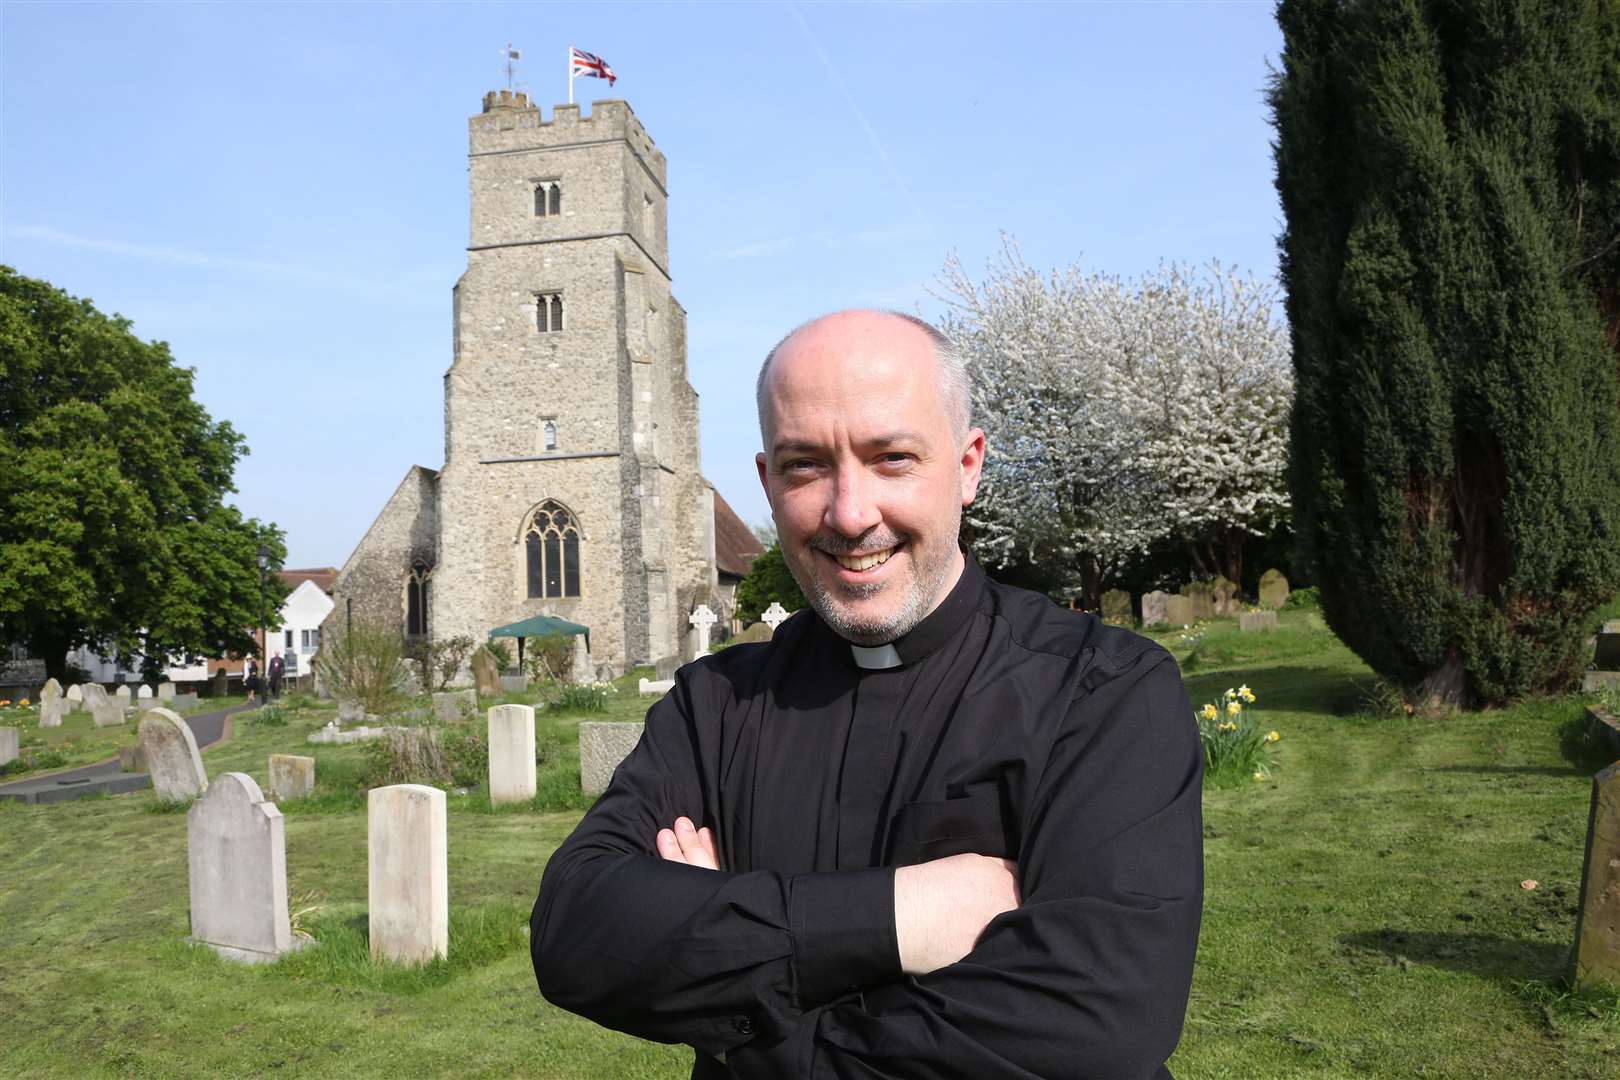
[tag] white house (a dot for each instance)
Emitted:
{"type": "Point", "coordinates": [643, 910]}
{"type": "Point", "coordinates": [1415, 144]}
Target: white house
{"type": "Point", "coordinates": [301, 615]}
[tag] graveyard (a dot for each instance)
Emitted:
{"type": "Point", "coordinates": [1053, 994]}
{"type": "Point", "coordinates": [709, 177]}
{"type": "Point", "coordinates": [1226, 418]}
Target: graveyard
{"type": "Point", "coordinates": [1397, 897]}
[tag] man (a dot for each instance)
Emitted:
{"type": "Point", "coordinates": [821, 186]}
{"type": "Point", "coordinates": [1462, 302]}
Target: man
{"type": "Point", "coordinates": [275, 674]}
{"type": "Point", "coordinates": [937, 827]}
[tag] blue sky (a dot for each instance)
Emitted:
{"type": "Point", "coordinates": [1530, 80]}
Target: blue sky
{"type": "Point", "coordinates": [279, 190]}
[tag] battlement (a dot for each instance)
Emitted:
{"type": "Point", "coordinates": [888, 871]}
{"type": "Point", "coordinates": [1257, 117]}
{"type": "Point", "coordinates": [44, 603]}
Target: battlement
{"type": "Point", "coordinates": [510, 121]}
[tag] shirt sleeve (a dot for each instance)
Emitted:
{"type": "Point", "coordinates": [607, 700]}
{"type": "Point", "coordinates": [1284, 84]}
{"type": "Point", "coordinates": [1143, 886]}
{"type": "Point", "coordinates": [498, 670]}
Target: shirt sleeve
{"type": "Point", "coordinates": [675, 953]}
{"type": "Point", "coordinates": [1089, 976]}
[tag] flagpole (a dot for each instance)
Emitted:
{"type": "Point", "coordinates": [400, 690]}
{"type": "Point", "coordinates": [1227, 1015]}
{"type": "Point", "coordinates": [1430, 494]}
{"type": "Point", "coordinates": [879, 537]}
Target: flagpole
{"type": "Point", "coordinates": [570, 74]}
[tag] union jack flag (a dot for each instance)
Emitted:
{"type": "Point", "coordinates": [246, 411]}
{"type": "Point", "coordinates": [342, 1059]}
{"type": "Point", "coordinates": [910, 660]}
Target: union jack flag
{"type": "Point", "coordinates": [585, 63]}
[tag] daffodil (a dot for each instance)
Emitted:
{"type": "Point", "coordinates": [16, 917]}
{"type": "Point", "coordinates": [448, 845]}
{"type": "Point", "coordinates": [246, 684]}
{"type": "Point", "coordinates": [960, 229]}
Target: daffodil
{"type": "Point", "coordinates": [1230, 693]}
{"type": "Point", "coordinates": [1259, 776]}
{"type": "Point", "coordinates": [1272, 736]}
{"type": "Point", "coordinates": [1210, 712]}
{"type": "Point", "coordinates": [1246, 694]}
{"type": "Point", "coordinates": [23, 704]}
{"type": "Point", "coordinates": [1233, 708]}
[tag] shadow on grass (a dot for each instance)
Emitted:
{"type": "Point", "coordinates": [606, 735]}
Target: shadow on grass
{"type": "Point", "coordinates": [1486, 955]}
{"type": "Point", "coordinates": [1292, 688]}
{"type": "Point", "coordinates": [1510, 770]}
{"type": "Point", "coordinates": [1583, 745]}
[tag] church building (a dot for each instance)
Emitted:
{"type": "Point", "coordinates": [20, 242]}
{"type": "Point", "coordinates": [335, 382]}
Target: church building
{"type": "Point", "coordinates": [571, 482]}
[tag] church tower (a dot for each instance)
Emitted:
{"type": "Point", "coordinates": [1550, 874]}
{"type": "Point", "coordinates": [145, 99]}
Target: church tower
{"type": "Point", "coordinates": [571, 482]}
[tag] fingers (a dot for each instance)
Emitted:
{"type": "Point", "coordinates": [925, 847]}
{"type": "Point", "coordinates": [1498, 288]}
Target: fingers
{"type": "Point", "coordinates": [668, 847]}
{"type": "Point", "coordinates": [688, 844]}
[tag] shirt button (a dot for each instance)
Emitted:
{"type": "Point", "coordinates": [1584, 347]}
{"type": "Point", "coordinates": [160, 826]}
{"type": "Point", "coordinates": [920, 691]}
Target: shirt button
{"type": "Point", "coordinates": [744, 1026]}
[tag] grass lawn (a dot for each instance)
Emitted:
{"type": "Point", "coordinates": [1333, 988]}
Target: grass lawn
{"type": "Point", "coordinates": [1364, 915]}
{"type": "Point", "coordinates": [76, 741]}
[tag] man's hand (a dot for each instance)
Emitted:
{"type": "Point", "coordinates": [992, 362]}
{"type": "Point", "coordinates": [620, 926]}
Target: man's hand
{"type": "Point", "coordinates": [941, 907]}
{"type": "Point", "coordinates": [687, 844]}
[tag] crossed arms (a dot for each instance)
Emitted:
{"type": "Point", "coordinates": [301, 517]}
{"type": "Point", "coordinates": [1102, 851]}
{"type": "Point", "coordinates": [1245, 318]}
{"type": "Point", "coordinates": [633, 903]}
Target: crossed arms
{"type": "Point", "coordinates": [937, 970]}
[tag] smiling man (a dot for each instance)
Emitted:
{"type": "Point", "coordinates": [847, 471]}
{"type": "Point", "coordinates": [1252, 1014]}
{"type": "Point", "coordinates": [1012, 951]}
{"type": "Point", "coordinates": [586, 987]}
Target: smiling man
{"type": "Point", "coordinates": [937, 827]}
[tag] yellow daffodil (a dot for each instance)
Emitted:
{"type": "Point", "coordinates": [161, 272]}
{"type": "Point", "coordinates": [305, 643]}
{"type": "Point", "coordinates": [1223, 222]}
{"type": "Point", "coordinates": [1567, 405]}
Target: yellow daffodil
{"type": "Point", "coordinates": [23, 704]}
{"type": "Point", "coordinates": [1210, 712]}
{"type": "Point", "coordinates": [1272, 736]}
{"type": "Point", "coordinates": [1233, 708]}
{"type": "Point", "coordinates": [1230, 693]}
{"type": "Point", "coordinates": [1259, 776]}
{"type": "Point", "coordinates": [1246, 694]}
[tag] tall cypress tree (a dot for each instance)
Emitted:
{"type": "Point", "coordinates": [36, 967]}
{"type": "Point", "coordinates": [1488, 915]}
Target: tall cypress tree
{"type": "Point", "coordinates": [1450, 179]}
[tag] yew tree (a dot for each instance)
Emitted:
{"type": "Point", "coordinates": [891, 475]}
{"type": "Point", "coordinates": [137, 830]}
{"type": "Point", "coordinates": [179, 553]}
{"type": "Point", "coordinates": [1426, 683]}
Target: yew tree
{"type": "Point", "coordinates": [1450, 181]}
{"type": "Point", "coordinates": [114, 532]}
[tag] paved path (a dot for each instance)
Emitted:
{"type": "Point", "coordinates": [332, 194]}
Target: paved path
{"type": "Point", "coordinates": [106, 776]}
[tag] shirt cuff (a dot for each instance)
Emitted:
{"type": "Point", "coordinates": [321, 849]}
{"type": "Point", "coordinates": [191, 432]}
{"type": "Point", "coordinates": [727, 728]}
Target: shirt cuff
{"type": "Point", "coordinates": [844, 939]}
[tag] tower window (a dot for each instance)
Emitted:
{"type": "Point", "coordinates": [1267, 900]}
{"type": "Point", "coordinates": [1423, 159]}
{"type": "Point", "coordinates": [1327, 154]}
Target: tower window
{"type": "Point", "coordinates": [548, 312]}
{"type": "Point", "coordinates": [647, 219]}
{"type": "Point", "coordinates": [416, 600]}
{"type": "Point", "coordinates": [548, 435]}
{"type": "Point", "coordinates": [552, 548]}
{"type": "Point", "coordinates": [548, 198]}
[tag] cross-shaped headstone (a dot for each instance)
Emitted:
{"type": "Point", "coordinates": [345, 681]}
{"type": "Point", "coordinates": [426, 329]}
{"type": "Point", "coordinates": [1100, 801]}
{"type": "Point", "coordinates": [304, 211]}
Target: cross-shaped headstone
{"type": "Point", "coordinates": [702, 619]}
{"type": "Point", "coordinates": [775, 615]}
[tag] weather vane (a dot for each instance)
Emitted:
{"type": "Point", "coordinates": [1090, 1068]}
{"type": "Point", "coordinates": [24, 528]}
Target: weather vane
{"type": "Point", "coordinates": [510, 55]}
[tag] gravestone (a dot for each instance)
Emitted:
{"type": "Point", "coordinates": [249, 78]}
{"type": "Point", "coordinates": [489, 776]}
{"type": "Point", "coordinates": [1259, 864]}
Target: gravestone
{"type": "Point", "coordinates": [1225, 590]}
{"type": "Point", "coordinates": [165, 691]}
{"type": "Point", "coordinates": [350, 711]}
{"type": "Point", "coordinates": [755, 634]}
{"type": "Point", "coordinates": [1273, 589]}
{"type": "Point", "coordinates": [105, 710]}
{"type": "Point", "coordinates": [1155, 609]}
{"type": "Point", "coordinates": [184, 702]}
{"type": "Point", "coordinates": [171, 756]}
{"type": "Point", "coordinates": [331, 735]}
{"type": "Point", "coordinates": [1116, 608]}
{"type": "Point", "coordinates": [291, 777]}
{"type": "Point", "coordinates": [121, 695]}
{"type": "Point", "coordinates": [10, 744]}
{"type": "Point", "coordinates": [452, 705]}
{"type": "Point", "coordinates": [511, 754]}
{"type": "Point", "coordinates": [1607, 657]}
{"type": "Point", "coordinates": [131, 758]}
{"type": "Point", "coordinates": [1178, 610]}
{"type": "Point", "coordinates": [222, 683]}
{"type": "Point", "coordinates": [655, 686]}
{"type": "Point", "coordinates": [665, 667]}
{"type": "Point", "coordinates": [148, 704]}
{"type": "Point", "coordinates": [1250, 621]}
{"type": "Point", "coordinates": [774, 616]}
{"type": "Point", "coordinates": [236, 845]}
{"type": "Point", "coordinates": [602, 745]}
{"type": "Point", "coordinates": [486, 673]}
{"type": "Point", "coordinates": [514, 684]}
{"type": "Point", "coordinates": [1202, 595]}
{"type": "Point", "coordinates": [1597, 927]}
{"type": "Point", "coordinates": [52, 705]}
{"type": "Point", "coordinates": [702, 620]}
{"type": "Point", "coordinates": [1611, 626]}
{"type": "Point", "coordinates": [408, 884]}
{"type": "Point", "coordinates": [143, 692]}
{"type": "Point", "coordinates": [75, 696]}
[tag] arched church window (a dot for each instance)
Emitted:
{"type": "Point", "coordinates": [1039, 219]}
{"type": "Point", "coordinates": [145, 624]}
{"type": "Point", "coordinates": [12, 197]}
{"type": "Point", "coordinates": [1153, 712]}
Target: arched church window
{"type": "Point", "coordinates": [556, 199]}
{"type": "Point", "coordinates": [548, 312]}
{"type": "Point", "coordinates": [547, 198]}
{"type": "Point", "coordinates": [551, 544]}
{"type": "Point", "coordinates": [416, 599]}
{"type": "Point", "coordinates": [556, 311]}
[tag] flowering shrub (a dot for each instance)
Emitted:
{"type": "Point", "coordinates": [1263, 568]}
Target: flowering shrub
{"type": "Point", "coordinates": [1236, 746]}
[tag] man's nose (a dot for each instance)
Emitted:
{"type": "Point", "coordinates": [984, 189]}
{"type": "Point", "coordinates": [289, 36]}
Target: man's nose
{"type": "Point", "coordinates": [854, 508]}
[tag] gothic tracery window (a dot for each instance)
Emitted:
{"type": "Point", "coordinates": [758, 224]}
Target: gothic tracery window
{"type": "Point", "coordinates": [548, 198]}
{"type": "Point", "coordinates": [416, 599]}
{"type": "Point", "coordinates": [548, 312]}
{"type": "Point", "coordinates": [551, 544]}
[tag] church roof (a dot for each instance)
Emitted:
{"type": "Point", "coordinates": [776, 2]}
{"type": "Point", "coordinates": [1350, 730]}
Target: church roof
{"type": "Point", "coordinates": [735, 544]}
{"type": "Point", "coordinates": [322, 576]}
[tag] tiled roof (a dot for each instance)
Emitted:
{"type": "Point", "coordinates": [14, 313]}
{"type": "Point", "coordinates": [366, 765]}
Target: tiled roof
{"type": "Point", "coordinates": [323, 576]}
{"type": "Point", "coordinates": [735, 544]}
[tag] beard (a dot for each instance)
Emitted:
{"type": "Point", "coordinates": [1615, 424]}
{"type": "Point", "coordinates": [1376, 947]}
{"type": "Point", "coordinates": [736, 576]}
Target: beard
{"type": "Point", "coordinates": [923, 583]}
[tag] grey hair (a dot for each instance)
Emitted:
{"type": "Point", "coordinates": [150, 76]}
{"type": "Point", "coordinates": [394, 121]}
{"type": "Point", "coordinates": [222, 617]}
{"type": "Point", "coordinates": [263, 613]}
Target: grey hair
{"type": "Point", "coordinates": [953, 373]}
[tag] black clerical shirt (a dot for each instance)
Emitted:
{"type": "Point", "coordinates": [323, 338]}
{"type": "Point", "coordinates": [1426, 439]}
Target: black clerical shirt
{"type": "Point", "coordinates": [1005, 726]}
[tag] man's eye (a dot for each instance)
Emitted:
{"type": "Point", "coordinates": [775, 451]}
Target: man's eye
{"type": "Point", "coordinates": [799, 465]}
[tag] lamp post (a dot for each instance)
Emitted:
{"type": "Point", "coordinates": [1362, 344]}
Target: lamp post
{"type": "Point", "coordinates": [264, 632]}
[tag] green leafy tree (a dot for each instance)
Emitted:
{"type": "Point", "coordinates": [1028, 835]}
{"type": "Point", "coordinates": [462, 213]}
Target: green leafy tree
{"type": "Point", "coordinates": [768, 579]}
{"type": "Point", "coordinates": [113, 532]}
{"type": "Point", "coordinates": [1450, 180]}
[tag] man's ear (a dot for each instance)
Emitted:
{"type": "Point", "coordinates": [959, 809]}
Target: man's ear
{"type": "Point", "coordinates": [972, 463]}
{"type": "Point", "coordinates": [764, 475]}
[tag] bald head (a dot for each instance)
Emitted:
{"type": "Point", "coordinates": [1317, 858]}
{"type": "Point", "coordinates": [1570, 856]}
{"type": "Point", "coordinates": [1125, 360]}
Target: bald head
{"type": "Point", "coordinates": [825, 338]}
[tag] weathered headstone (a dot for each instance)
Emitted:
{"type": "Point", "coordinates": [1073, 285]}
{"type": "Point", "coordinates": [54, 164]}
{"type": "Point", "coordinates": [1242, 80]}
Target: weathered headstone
{"type": "Point", "coordinates": [655, 686]}
{"type": "Point", "coordinates": [1597, 927]}
{"type": "Point", "coordinates": [52, 705]}
{"type": "Point", "coordinates": [222, 683]}
{"type": "Point", "coordinates": [143, 692]}
{"type": "Point", "coordinates": [486, 673]}
{"type": "Point", "coordinates": [75, 696]}
{"type": "Point", "coordinates": [665, 667]}
{"type": "Point", "coordinates": [165, 691]}
{"type": "Point", "coordinates": [1607, 657]}
{"type": "Point", "coordinates": [1250, 621]}
{"type": "Point", "coordinates": [350, 711]}
{"type": "Point", "coordinates": [1178, 610]}
{"type": "Point", "coordinates": [121, 696]}
{"type": "Point", "coordinates": [1117, 609]}
{"type": "Point", "coordinates": [291, 777]}
{"type": "Point", "coordinates": [1155, 610]}
{"type": "Point", "coordinates": [511, 754]}
{"type": "Point", "coordinates": [702, 620]}
{"type": "Point", "coordinates": [182, 702]}
{"type": "Point", "coordinates": [105, 710]}
{"type": "Point", "coordinates": [514, 684]}
{"type": "Point", "coordinates": [755, 634]}
{"type": "Point", "coordinates": [1225, 590]}
{"type": "Point", "coordinates": [236, 845]}
{"type": "Point", "coordinates": [1605, 727]}
{"type": "Point", "coordinates": [171, 756]}
{"type": "Point", "coordinates": [10, 744]}
{"type": "Point", "coordinates": [1610, 626]}
{"type": "Point", "coordinates": [602, 745]}
{"type": "Point", "coordinates": [1273, 589]}
{"type": "Point", "coordinates": [332, 735]}
{"type": "Point", "coordinates": [407, 873]}
{"type": "Point", "coordinates": [775, 615]}
{"type": "Point", "coordinates": [452, 705]}
{"type": "Point", "coordinates": [1202, 595]}
{"type": "Point", "coordinates": [131, 758]}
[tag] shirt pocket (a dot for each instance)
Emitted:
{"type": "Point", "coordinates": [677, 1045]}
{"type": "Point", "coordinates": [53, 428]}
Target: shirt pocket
{"type": "Point", "coordinates": [971, 822]}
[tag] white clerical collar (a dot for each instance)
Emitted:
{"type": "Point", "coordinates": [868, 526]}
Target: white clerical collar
{"type": "Point", "coordinates": [875, 659]}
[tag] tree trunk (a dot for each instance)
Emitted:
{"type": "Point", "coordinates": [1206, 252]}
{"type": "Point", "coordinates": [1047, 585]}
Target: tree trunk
{"type": "Point", "coordinates": [1442, 691]}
